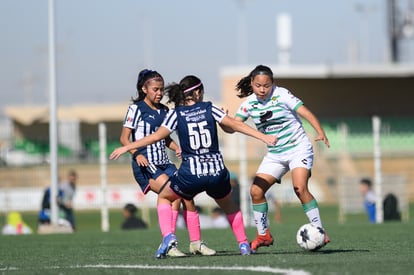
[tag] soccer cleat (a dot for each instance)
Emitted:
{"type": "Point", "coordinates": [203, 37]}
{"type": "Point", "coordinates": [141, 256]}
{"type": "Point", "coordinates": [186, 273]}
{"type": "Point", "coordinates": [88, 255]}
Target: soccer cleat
{"type": "Point", "coordinates": [168, 242]}
{"type": "Point", "coordinates": [245, 249]}
{"type": "Point", "coordinates": [175, 252]}
{"type": "Point", "coordinates": [199, 247]}
{"type": "Point", "coordinates": [327, 240]}
{"type": "Point", "coordinates": [261, 240]}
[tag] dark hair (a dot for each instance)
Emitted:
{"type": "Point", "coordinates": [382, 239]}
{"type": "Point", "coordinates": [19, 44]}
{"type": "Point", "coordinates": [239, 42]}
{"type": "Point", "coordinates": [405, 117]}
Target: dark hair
{"type": "Point", "coordinates": [179, 93]}
{"type": "Point", "coordinates": [244, 85]}
{"type": "Point", "coordinates": [132, 209]}
{"type": "Point", "coordinates": [72, 173]}
{"type": "Point", "coordinates": [143, 77]}
{"type": "Point", "coordinates": [366, 181]}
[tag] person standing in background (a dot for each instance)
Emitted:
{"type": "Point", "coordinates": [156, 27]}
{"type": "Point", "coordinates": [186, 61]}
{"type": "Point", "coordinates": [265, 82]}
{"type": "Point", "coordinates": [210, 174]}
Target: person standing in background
{"type": "Point", "coordinates": [365, 187]}
{"type": "Point", "coordinates": [68, 189]}
{"type": "Point", "coordinates": [131, 220]}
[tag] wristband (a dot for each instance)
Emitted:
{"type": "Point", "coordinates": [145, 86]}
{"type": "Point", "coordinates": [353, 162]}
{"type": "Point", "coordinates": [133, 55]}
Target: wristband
{"type": "Point", "coordinates": [135, 154]}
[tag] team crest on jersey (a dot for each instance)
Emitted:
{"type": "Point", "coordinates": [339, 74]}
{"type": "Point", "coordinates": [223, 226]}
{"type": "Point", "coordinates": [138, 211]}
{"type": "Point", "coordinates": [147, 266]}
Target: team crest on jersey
{"type": "Point", "coordinates": [274, 100]}
{"type": "Point", "coordinates": [130, 119]}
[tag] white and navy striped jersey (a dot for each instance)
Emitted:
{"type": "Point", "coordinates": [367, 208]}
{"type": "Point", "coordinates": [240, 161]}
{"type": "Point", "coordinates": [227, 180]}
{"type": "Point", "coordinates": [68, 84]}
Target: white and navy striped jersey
{"type": "Point", "coordinates": [197, 132]}
{"type": "Point", "coordinates": [276, 116]}
{"type": "Point", "coordinates": [144, 121]}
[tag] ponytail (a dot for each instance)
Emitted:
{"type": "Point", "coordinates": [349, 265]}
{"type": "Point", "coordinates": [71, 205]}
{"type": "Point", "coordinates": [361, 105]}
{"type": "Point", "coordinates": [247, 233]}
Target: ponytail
{"type": "Point", "coordinates": [244, 85]}
{"type": "Point", "coordinates": [179, 93]}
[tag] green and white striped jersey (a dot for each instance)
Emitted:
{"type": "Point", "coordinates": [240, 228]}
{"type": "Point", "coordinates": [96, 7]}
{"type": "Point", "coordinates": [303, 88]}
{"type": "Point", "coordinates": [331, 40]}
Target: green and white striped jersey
{"type": "Point", "coordinates": [276, 116]}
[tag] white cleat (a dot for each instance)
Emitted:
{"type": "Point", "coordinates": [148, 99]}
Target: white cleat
{"type": "Point", "coordinates": [199, 247]}
{"type": "Point", "coordinates": [175, 252]}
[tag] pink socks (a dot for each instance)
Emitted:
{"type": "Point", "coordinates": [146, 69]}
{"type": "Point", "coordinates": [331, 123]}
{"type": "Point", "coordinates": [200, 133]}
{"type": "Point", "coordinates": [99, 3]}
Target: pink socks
{"type": "Point", "coordinates": [236, 223]}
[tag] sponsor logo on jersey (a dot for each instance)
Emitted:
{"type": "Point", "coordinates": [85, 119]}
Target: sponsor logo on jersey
{"type": "Point", "coordinates": [273, 128]}
{"type": "Point", "coordinates": [265, 116]}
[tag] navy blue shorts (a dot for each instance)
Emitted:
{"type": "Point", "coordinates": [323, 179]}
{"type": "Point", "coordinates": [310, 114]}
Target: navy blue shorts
{"type": "Point", "coordinates": [188, 186]}
{"type": "Point", "coordinates": [143, 174]}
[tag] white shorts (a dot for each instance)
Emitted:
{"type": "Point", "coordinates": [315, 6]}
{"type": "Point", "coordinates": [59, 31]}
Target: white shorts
{"type": "Point", "coordinates": [277, 165]}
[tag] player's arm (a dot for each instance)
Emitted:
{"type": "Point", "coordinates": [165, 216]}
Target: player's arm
{"type": "Point", "coordinates": [124, 139]}
{"type": "Point", "coordinates": [223, 127]}
{"type": "Point", "coordinates": [304, 112]}
{"type": "Point", "coordinates": [239, 126]}
{"type": "Point", "coordinates": [230, 130]}
{"type": "Point", "coordinates": [226, 129]}
{"type": "Point", "coordinates": [173, 146]}
{"type": "Point", "coordinates": [170, 143]}
{"type": "Point", "coordinates": [161, 133]}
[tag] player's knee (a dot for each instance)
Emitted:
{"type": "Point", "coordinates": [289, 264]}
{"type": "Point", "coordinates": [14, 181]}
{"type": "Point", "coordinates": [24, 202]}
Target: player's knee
{"type": "Point", "coordinates": [256, 193]}
{"type": "Point", "coordinates": [301, 191]}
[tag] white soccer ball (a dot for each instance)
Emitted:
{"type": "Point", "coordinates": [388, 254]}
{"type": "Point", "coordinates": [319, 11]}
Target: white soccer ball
{"type": "Point", "coordinates": [310, 237]}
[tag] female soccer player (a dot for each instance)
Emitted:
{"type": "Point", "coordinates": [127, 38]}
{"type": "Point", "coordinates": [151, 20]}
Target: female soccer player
{"type": "Point", "coordinates": [151, 164]}
{"type": "Point", "coordinates": [275, 111]}
{"type": "Point", "coordinates": [202, 167]}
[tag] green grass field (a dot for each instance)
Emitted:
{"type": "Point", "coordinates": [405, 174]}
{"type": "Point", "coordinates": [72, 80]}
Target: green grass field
{"type": "Point", "coordinates": [356, 248]}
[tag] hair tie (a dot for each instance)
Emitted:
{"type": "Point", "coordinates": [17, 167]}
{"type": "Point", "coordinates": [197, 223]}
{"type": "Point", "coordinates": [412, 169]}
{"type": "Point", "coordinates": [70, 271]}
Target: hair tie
{"type": "Point", "coordinates": [145, 72]}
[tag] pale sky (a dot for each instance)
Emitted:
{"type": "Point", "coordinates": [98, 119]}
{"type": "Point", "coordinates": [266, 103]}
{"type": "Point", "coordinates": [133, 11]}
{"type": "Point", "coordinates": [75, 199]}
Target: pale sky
{"type": "Point", "coordinates": [101, 45]}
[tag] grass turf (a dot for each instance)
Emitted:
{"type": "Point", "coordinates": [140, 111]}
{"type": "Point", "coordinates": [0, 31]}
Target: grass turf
{"type": "Point", "coordinates": [357, 248]}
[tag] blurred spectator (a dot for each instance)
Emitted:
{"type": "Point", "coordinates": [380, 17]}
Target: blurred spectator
{"type": "Point", "coordinates": [131, 220]}
{"type": "Point", "coordinates": [15, 225]}
{"type": "Point", "coordinates": [365, 188]}
{"type": "Point", "coordinates": [390, 206]}
{"type": "Point", "coordinates": [68, 188]}
{"type": "Point", "coordinates": [44, 214]}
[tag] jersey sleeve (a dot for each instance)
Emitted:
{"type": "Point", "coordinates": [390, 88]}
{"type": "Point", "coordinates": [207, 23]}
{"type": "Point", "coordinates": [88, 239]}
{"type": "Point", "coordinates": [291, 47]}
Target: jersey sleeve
{"type": "Point", "coordinates": [170, 120]}
{"type": "Point", "coordinates": [132, 117]}
{"type": "Point", "coordinates": [290, 99]}
{"type": "Point", "coordinates": [243, 111]}
{"type": "Point", "coordinates": [218, 113]}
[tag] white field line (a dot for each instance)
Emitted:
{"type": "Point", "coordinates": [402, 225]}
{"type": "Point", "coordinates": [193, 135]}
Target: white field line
{"type": "Point", "coordinates": [261, 269]}
{"type": "Point", "coordinates": [258, 269]}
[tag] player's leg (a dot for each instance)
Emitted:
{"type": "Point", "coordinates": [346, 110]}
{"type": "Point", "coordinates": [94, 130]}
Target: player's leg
{"type": "Point", "coordinates": [271, 170]}
{"type": "Point", "coordinates": [300, 178]}
{"type": "Point", "coordinates": [219, 188]}
{"type": "Point", "coordinates": [175, 212]}
{"type": "Point", "coordinates": [192, 219]}
{"type": "Point", "coordinates": [164, 210]}
{"type": "Point", "coordinates": [301, 165]}
{"type": "Point", "coordinates": [168, 210]}
{"type": "Point", "coordinates": [235, 219]}
{"type": "Point", "coordinates": [261, 183]}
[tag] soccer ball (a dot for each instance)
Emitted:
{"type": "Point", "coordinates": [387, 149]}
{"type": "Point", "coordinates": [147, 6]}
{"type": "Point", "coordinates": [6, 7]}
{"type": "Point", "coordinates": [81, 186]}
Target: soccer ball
{"type": "Point", "coordinates": [310, 237]}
